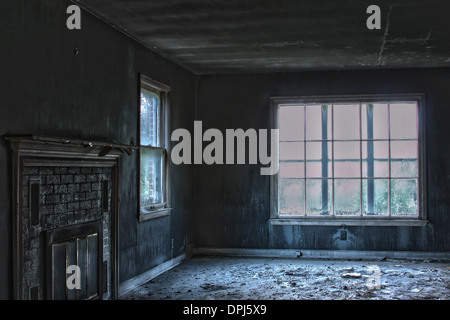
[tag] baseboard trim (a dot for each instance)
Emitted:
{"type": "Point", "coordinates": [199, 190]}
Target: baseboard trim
{"type": "Point", "coordinates": [322, 254]}
{"type": "Point", "coordinates": [150, 274]}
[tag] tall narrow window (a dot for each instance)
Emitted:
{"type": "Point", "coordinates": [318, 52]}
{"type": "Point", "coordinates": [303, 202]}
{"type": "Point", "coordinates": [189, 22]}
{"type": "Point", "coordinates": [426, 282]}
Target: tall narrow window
{"type": "Point", "coordinates": [153, 148]}
{"type": "Point", "coordinates": [354, 157]}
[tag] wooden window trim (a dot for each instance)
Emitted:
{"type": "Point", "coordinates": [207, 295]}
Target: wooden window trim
{"type": "Point", "coordinates": [420, 220]}
{"type": "Point", "coordinates": [162, 90]}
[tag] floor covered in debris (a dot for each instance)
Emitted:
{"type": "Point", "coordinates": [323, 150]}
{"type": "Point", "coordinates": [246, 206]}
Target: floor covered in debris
{"type": "Point", "coordinates": [233, 278]}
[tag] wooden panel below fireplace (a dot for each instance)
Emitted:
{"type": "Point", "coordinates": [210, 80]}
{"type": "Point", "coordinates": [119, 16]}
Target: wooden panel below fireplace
{"type": "Point", "coordinates": [79, 247]}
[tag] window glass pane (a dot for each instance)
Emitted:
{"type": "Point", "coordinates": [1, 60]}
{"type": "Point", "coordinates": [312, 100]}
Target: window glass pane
{"type": "Point", "coordinates": [291, 122]}
{"type": "Point", "coordinates": [346, 159]}
{"type": "Point", "coordinates": [346, 121]}
{"type": "Point", "coordinates": [347, 196]}
{"type": "Point", "coordinates": [318, 122]}
{"type": "Point", "coordinates": [318, 159]}
{"type": "Point", "coordinates": [374, 121]}
{"type": "Point", "coordinates": [381, 153]}
{"type": "Point", "coordinates": [404, 197]}
{"type": "Point", "coordinates": [318, 196]}
{"type": "Point", "coordinates": [292, 170]}
{"type": "Point", "coordinates": [150, 118]}
{"type": "Point", "coordinates": [375, 155]}
{"type": "Point", "coordinates": [404, 159]}
{"type": "Point", "coordinates": [403, 120]}
{"type": "Point", "coordinates": [152, 176]}
{"type": "Point", "coordinates": [292, 196]}
{"type": "Point", "coordinates": [292, 150]}
{"type": "Point", "coordinates": [375, 197]}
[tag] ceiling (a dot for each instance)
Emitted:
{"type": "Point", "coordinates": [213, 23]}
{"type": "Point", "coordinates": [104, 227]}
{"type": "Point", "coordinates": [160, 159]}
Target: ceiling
{"type": "Point", "coordinates": [223, 36]}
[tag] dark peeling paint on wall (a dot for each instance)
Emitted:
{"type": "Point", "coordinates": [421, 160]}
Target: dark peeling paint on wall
{"type": "Point", "coordinates": [92, 95]}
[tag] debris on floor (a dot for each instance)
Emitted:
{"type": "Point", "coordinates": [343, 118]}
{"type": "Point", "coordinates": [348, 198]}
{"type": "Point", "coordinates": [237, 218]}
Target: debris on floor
{"type": "Point", "coordinates": [233, 278]}
{"type": "Point", "coordinates": [353, 275]}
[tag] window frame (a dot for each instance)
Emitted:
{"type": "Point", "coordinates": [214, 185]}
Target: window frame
{"type": "Point", "coordinates": [149, 84]}
{"type": "Point", "coordinates": [335, 220]}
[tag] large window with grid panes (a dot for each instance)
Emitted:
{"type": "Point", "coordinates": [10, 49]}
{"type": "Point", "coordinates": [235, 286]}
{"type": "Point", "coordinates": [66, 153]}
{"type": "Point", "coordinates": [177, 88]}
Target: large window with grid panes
{"type": "Point", "coordinates": [349, 157]}
{"type": "Point", "coordinates": [153, 159]}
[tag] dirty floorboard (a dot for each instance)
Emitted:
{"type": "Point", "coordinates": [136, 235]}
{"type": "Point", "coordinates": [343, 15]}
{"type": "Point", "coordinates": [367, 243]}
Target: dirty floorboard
{"type": "Point", "coordinates": [219, 278]}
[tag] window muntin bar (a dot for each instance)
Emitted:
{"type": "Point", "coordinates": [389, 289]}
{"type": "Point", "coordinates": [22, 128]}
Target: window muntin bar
{"type": "Point", "coordinates": [378, 161]}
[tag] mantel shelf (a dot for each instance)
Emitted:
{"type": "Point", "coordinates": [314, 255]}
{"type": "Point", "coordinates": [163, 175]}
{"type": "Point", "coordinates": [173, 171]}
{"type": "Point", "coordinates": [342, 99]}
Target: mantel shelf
{"type": "Point", "coordinates": [64, 147]}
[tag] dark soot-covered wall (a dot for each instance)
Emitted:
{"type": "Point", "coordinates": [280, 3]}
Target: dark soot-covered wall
{"type": "Point", "coordinates": [48, 90]}
{"type": "Point", "coordinates": [233, 200]}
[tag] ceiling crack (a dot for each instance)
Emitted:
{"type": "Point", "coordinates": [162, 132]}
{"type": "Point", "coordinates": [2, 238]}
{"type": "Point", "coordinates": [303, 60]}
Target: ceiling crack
{"type": "Point", "coordinates": [385, 35]}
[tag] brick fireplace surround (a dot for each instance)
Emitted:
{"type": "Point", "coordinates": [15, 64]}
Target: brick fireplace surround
{"type": "Point", "coordinates": [64, 213]}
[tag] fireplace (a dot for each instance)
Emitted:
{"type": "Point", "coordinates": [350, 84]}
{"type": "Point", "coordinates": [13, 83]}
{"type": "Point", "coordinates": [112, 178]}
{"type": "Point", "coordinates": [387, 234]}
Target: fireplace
{"type": "Point", "coordinates": [64, 215]}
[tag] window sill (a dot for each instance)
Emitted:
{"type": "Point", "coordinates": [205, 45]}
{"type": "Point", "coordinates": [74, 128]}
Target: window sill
{"type": "Point", "coordinates": [148, 215]}
{"type": "Point", "coordinates": [283, 221]}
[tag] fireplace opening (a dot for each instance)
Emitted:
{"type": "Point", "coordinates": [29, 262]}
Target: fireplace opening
{"type": "Point", "coordinates": [78, 248]}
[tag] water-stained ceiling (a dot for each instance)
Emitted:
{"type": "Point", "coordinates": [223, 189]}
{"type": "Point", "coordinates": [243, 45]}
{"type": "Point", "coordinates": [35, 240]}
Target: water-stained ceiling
{"type": "Point", "coordinates": [220, 36]}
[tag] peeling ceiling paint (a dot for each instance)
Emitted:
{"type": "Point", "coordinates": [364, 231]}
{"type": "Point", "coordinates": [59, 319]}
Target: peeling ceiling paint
{"type": "Point", "coordinates": [215, 36]}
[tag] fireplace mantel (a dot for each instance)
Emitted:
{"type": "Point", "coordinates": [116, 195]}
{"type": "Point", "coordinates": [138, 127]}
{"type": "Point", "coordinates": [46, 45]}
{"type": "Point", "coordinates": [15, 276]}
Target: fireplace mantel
{"type": "Point", "coordinates": [44, 171]}
{"type": "Point", "coordinates": [66, 148]}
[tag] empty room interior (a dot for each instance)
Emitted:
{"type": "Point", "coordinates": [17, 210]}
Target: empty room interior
{"type": "Point", "coordinates": [220, 150]}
